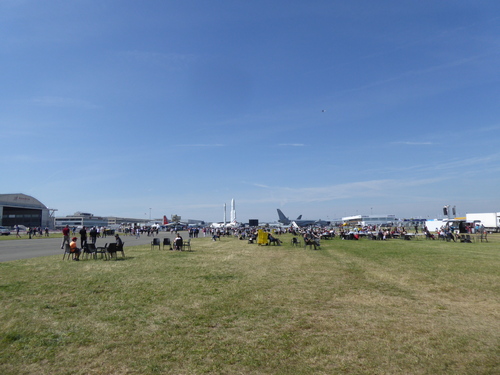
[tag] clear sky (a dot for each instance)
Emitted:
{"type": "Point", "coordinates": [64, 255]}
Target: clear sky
{"type": "Point", "coordinates": [324, 108]}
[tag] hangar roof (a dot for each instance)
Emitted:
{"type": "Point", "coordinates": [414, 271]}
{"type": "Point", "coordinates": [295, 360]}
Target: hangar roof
{"type": "Point", "coordinates": [21, 200]}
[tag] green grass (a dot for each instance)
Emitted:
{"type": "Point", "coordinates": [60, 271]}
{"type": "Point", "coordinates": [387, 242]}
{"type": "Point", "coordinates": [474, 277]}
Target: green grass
{"type": "Point", "coordinates": [353, 307]}
{"type": "Point", "coordinates": [25, 236]}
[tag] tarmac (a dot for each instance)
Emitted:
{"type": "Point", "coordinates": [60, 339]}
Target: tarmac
{"type": "Point", "coordinates": [42, 246]}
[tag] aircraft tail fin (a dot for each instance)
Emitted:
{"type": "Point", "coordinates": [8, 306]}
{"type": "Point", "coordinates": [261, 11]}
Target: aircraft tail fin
{"type": "Point", "coordinates": [300, 217]}
{"type": "Point", "coordinates": [282, 218]}
{"type": "Point", "coordinates": [165, 220]}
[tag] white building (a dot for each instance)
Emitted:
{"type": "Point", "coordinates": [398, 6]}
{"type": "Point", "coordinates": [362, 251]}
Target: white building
{"type": "Point", "coordinates": [22, 209]}
{"type": "Point", "coordinates": [368, 220]}
{"type": "Point", "coordinates": [81, 219]}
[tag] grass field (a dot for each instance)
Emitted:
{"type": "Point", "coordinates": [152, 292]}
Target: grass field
{"type": "Point", "coordinates": [228, 307]}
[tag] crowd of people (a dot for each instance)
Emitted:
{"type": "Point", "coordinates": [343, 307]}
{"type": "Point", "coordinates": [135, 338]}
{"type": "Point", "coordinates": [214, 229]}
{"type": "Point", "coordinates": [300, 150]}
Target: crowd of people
{"type": "Point", "coordinates": [32, 231]}
{"type": "Point", "coordinates": [93, 233]}
{"type": "Point", "coordinates": [309, 235]}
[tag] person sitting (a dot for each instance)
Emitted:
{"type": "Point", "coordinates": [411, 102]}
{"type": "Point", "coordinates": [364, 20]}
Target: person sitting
{"type": "Point", "coordinates": [119, 242]}
{"type": "Point", "coordinates": [430, 235]}
{"type": "Point", "coordinates": [73, 248]}
{"type": "Point", "coordinates": [252, 238]}
{"type": "Point", "coordinates": [311, 240]}
{"type": "Point", "coordinates": [273, 240]}
{"type": "Point", "coordinates": [178, 242]}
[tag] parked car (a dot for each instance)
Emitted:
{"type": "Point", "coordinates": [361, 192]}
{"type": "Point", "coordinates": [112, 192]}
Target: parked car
{"type": "Point", "coordinates": [4, 231]}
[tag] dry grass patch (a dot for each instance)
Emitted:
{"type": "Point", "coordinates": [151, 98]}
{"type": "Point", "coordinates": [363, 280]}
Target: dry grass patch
{"type": "Point", "coordinates": [228, 307]}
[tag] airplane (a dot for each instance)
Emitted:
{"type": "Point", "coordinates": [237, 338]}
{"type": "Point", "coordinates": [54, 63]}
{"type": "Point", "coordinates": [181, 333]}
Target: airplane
{"type": "Point", "coordinates": [284, 220]}
{"type": "Point", "coordinates": [299, 222]}
{"type": "Point", "coordinates": [176, 224]}
{"type": "Point", "coordinates": [232, 224]}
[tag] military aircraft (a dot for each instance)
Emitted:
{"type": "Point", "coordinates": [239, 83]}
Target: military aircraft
{"type": "Point", "coordinates": [299, 222]}
{"type": "Point", "coordinates": [284, 220]}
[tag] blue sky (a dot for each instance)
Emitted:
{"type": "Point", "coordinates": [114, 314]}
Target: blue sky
{"type": "Point", "coordinates": [321, 108]}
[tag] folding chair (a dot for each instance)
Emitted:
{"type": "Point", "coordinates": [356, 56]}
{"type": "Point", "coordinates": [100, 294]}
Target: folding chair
{"type": "Point", "coordinates": [67, 250]}
{"type": "Point", "coordinates": [187, 244]}
{"type": "Point", "coordinates": [166, 241]}
{"type": "Point", "coordinates": [120, 249]}
{"type": "Point", "coordinates": [113, 248]}
{"type": "Point", "coordinates": [103, 250]}
{"type": "Point", "coordinates": [89, 249]}
{"type": "Point", "coordinates": [155, 242]}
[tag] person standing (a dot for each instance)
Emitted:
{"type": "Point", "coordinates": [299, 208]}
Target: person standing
{"type": "Point", "coordinates": [65, 233]}
{"type": "Point", "coordinates": [83, 237]}
{"type": "Point", "coordinates": [93, 235]}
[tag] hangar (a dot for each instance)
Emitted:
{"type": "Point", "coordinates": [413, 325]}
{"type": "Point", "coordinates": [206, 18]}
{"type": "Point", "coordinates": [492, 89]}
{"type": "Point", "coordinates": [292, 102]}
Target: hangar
{"type": "Point", "coordinates": [22, 209]}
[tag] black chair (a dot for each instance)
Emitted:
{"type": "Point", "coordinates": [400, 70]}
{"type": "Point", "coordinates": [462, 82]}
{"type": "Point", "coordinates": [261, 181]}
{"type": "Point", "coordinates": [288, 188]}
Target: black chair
{"type": "Point", "coordinates": [178, 244]}
{"type": "Point", "coordinates": [119, 248]}
{"type": "Point", "coordinates": [103, 250]}
{"type": "Point", "coordinates": [312, 242]}
{"type": "Point", "coordinates": [465, 238]}
{"type": "Point", "coordinates": [111, 250]}
{"type": "Point", "coordinates": [274, 241]}
{"type": "Point", "coordinates": [295, 241]}
{"type": "Point", "coordinates": [89, 249]}
{"type": "Point", "coordinates": [67, 250]}
{"type": "Point", "coordinates": [166, 241]}
{"type": "Point", "coordinates": [155, 242]}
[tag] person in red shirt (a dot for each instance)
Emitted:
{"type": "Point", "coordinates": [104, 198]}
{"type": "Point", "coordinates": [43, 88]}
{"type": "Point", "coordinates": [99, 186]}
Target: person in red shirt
{"type": "Point", "coordinates": [65, 232]}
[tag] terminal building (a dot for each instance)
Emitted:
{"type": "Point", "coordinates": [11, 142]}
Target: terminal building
{"type": "Point", "coordinates": [83, 219]}
{"type": "Point", "coordinates": [367, 220]}
{"type": "Point", "coordinates": [22, 209]}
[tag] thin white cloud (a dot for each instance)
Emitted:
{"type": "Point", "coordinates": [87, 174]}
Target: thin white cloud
{"type": "Point", "coordinates": [488, 128]}
{"type": "Point", "coordinates": [200, 145]}
{"type": "Point", "coordinates": [19, 131]}
{"type": "Point", "coordinates": [460, 164]}
{"type": "Point", "coordinates": [423, 71]}
{"type": "Point", "coordinates": [168, 60]}
{"type": "Point", "coordinates": [20, 158]}
{"type": "Point", "coordinates": [414, 143]}
{"type": "Point", "coordinates": [479, 165]}
{"type": "Point", "coordinates": [361, 189]}
{"type": "Point", "coordinates": [58, 101]}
